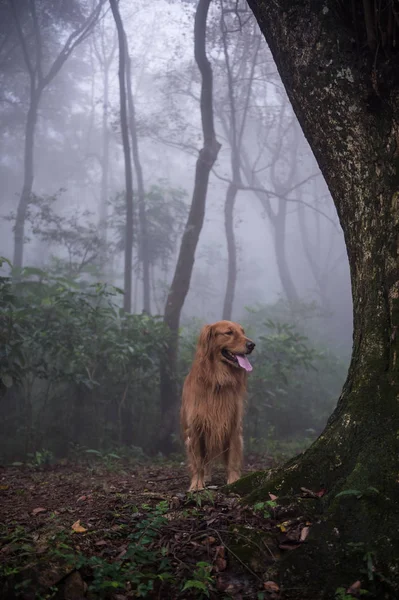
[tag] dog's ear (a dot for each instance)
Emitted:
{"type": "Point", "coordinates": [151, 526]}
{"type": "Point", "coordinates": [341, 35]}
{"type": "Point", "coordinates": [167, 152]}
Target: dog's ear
{"type": "Point", "coordinates": [205, 341]}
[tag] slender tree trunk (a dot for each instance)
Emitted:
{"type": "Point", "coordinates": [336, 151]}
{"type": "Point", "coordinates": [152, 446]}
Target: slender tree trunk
{"type": "Point", "coordinates": [277, 220]}
{"type": "Point", "coordinates": [143, 253]}
{"type": "Point", "coordinates": [185, 262]}
{"type": "Point", "coordinates": [105, 164]}
{"type": "Point", "coordinates": [231, 195]}
{"type": "Point", "coordinates": [127, 301]}
{"type": "Point", "coordinates": [353, 133]}
{"type": "Point", "coordinates": [279, 223]}
{"type": "Point", "coordinates": [19, 231]}
{"type": "Point", "coordinates": [311, 254]}
{"type": "Point", "coordinates": [38, 82]}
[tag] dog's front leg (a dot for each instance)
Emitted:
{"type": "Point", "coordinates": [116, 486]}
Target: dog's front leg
{"type": "Point", "coordinates": [233, 457]}
{"type": "Point", "coordinates": [196, 463]}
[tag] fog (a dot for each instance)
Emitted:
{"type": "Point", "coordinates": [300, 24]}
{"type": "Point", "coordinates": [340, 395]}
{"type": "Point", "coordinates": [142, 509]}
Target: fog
{"type": "Point", "coordinates": [278, 173]}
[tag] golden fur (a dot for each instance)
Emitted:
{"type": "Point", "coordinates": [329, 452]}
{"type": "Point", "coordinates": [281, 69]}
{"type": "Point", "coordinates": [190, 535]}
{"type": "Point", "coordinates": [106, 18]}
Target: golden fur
{"type": "Point", "coordinates": [213, 402]}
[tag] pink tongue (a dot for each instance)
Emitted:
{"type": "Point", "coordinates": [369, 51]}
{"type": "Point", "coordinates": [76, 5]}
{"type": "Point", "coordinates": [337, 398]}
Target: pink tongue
{"type": "Point", "coordinates": [244, 362]}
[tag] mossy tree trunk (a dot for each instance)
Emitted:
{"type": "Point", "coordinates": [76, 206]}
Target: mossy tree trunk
{"type": "Point", "coordinates": [346, 99]}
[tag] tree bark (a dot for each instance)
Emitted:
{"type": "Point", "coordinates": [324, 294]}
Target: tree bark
{"type": "Point", "coordinates": [231, 195]}
{"type": "Point", "coordinates": [143, 252]}
{"type": "Point", "coordinates": [185, 262]}
{"type": "Point", "coordinates": [19, 228]}
{"type": "Point", "coordinates": [127, 299]}
{"type": "Point", "coordinates": [346, 100]}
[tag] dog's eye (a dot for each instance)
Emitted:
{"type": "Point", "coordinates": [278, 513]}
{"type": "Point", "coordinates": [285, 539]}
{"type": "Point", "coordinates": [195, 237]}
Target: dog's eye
{"type": "Point", "coordinates": [229, 333]}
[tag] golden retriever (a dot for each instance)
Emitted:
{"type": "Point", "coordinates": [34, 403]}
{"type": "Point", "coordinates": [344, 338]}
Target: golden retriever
{"type": "Point", "coordinates": [213, 401]}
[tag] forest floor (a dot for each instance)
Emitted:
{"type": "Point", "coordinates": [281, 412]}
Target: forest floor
{"type": "Point", "coordinates": [119, 531]}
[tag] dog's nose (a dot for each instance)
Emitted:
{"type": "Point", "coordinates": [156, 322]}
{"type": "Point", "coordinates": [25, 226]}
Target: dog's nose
{"type": "Point", "coordinates": [250, 346]}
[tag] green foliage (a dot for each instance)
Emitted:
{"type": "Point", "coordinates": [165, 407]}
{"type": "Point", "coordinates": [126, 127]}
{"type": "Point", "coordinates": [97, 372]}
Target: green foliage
{"type": "Point", "coordinates": [143, 567]}
{"type": "Point", "coordinates": [201, 580]}
{"type": "Point", "coordinates": [81, 377]}
{"type": "Point", "coordinates": [78, 368]}
{"type": "Point", "coordinates": [294, 384]}
{"type": "Point", "coordinates": [74, 234]}
{"type": "Point", "coordinates": [166, 214]}
{"type": "Point", "coordinates": [265, 507]}
{"type": "Point", "coordinates": [369, 491]}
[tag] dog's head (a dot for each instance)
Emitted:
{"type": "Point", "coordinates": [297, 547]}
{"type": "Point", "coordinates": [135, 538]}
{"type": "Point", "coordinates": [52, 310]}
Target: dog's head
{"type": "Point", "coordinates": [226, 341]}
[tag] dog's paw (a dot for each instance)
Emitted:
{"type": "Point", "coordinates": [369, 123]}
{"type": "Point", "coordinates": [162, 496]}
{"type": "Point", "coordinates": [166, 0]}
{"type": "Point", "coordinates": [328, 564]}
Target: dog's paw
{"type": "Point", "coordinates": [196, 486]}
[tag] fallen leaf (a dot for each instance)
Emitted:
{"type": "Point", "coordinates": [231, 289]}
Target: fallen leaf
{"type": "Point", "coordinates": [321, 493]}
{"type": "Point", "coordinates": [283, 526]}
{"type": "Point", "coordinates": [81, 499]}
{"type": "Point", "coordinates": [3, 488]}
{"type": "Point", "coordinates": [77, 527]}
{"type": "Point", "coordinates": [221, 564]}
{"type": "Point", "coordinates": [123, 550]}
{"type": "Point", "coordinates": [354, 588]}
{"type": "Point", "coordinates": [273, 497]}
{"type": "Point", "coordinates": [37, 511]}
{"type": "Point", "coordinates": [101, 543]}
{"type": "Point", "coordinates": [271, 586]}
{"type": "Point", "coordinates": [304, 534]}
{"type": "Point", "coordinates": [209, 540]}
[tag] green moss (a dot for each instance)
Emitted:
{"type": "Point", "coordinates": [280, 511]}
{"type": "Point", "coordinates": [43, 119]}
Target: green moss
{"type": "Point", "coordinates": [252, 548]}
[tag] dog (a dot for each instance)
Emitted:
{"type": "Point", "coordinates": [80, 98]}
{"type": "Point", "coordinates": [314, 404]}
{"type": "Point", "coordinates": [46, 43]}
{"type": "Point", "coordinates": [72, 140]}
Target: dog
{"type": "Point", "coordinates": [213, 401]}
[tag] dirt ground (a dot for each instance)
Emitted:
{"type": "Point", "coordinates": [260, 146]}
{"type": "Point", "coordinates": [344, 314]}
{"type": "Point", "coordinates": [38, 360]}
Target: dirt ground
{"type": "Point", "coordinates": [119, 531]}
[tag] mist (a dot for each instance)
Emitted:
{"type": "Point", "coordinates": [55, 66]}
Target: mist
{"type": "Point", "coordinates": [282, 270]}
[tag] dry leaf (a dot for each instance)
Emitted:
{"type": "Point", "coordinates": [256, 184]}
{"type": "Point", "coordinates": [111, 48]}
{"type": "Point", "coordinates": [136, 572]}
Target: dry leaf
{"type": "Point", "coordinates": [304, 534]}
{"type": "Point", "coordinates": [81, 499]}
{"type": "Point", "coordinates": [37, 511]}
{"type": "Point", "coordinates": [272, 497]}
{"type": "Point", "coordinates": [270, 586]}
{"type": "Point", "coordinates": [354, 588]}
{"type": "Point", "coordinates": [101, 543]}
{"type": "Point", "coordinates": [77, 527]}
{"type": "Point", "coordinates": [123, 550]}
{"type": "Point", "coordinates": [321, 493]}
{"type": "Point", "coordinates": [209, 540]}
{"type": "Point", "coordinates": [221, 564]}
{"type": "Point", "coordinates": [3, 488]}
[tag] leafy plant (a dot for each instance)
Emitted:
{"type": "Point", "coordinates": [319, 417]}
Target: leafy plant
{"type": "Point", "coordinates": [80, 367]}
{"type": "Point", "coordinates": [201, 580]}
{"type": "Point", "coordinates": [265, 507]}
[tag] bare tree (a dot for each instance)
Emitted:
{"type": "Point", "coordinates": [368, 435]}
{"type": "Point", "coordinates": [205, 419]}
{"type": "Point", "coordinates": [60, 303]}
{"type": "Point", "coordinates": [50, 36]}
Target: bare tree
{"type": "Point", "coordinates": [127, 299]}
{"type": "Point", "coordinates": [38, 81]}
{"type": "Point", "coordinates": [143, 250]}
{"type": "Point", "coordinates": [238, 68]}
{"type": "Point", "coordinates": [185, 262]}
{"type": "Point", "coordinates": [105, 52]}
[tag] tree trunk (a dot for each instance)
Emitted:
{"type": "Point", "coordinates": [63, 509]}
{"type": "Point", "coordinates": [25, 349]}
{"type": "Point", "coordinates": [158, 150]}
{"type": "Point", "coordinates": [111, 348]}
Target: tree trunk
{"type": "Point", "coordinates": [104, 167]}
{"type": "Point", "coordinates": [279, 223]}
{"type": "Point", "coordinates": [19, 230]}
{"type": "Point", "coordinates": [143, 252]}
{"type": "Point", "coordinates": [231, 195]}
{"type": "Point", "coordinates": [185, 262]}
{"type": "Point", "coordinates": [346, 101]}
{"type": "Point", "coordinates": [38, 82]}
{"type": "Point", "coordinates": [127, 300]}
